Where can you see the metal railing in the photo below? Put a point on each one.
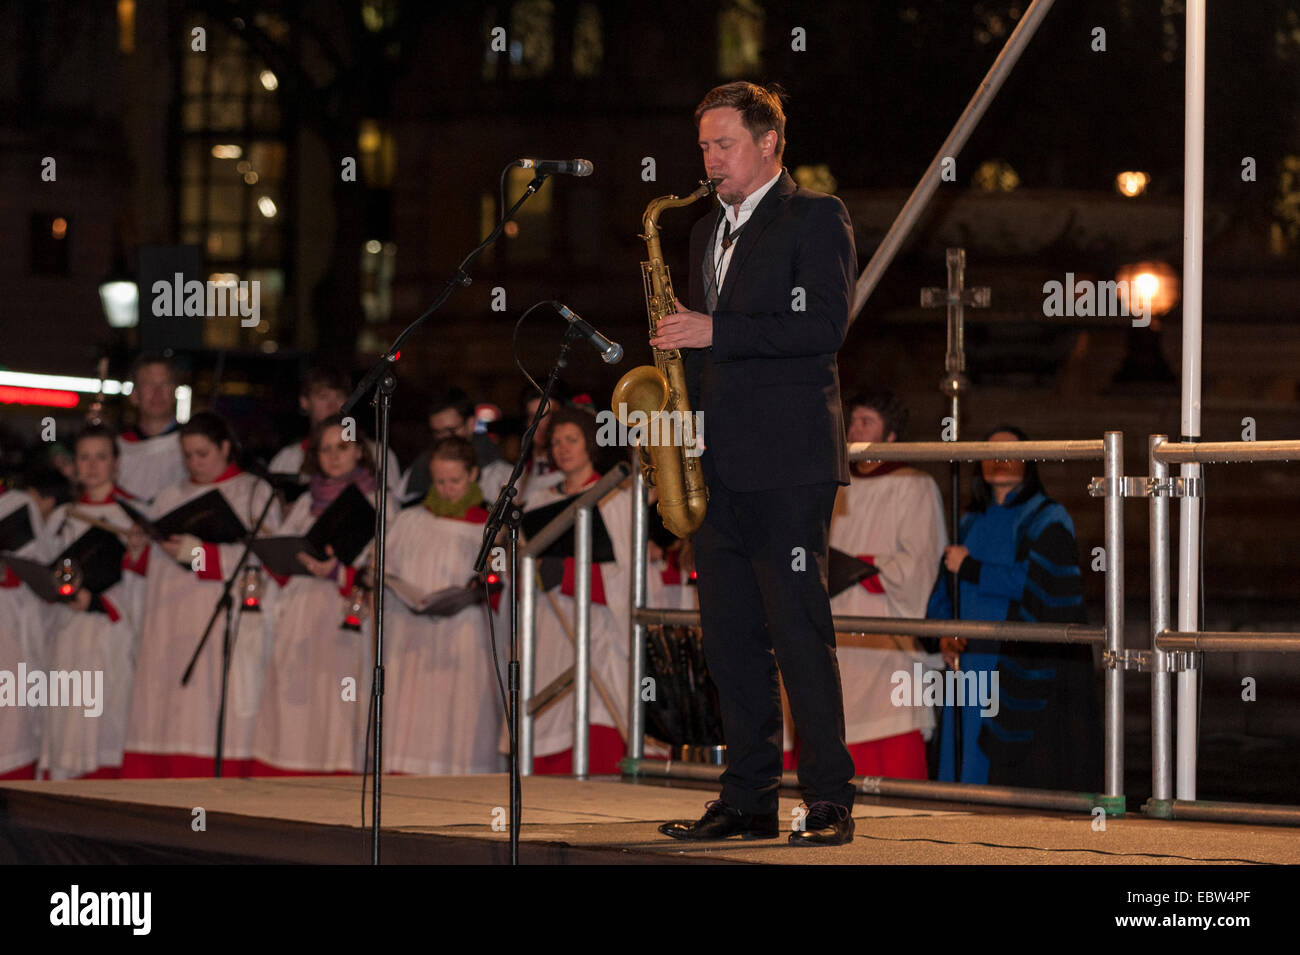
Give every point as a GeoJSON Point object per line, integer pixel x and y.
{"type": "Point", "coordinates": [577, 516]}
{"type": "Point", "coordinates": [1173, 781]}
{"type": "Point", "coordinates": [1173, 651]}
{"type": "Point", "coordinates": [1110, 451]}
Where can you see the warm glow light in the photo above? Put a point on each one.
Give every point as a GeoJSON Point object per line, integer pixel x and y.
{"type": "Point", "coordinates": [374, 246]}
{"type": "Point", "coordinates": [1152, 283]}
{"type": "Point", "coordinates": [59, 227]}
{"type": "Point", "coordinates": [511, 229]}
{"type": "Point", "coordinates": [369, 138]}
{"type": "Point", "coordinates": [1132, 183]}
{"type": "Point", "coordinates": [269, 80]}
{"type": "Point", "coordinates": [227, 151]}
{"type": "Point", "coordinates": [250, 178]}
{"type": "Point", "coordinates": [266, 207]}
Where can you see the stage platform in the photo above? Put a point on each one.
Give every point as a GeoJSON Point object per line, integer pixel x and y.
{"type": "Point", "coordinates": [449, 820]}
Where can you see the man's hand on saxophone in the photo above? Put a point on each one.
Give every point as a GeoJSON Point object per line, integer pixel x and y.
{"type": "Point", "coordinates": [683, 329]}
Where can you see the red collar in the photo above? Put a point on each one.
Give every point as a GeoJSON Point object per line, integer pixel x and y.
{"type": "Point", "coordinates": [230, 471]}
{"type": "Point", "coordinates": [559, 487]}
{"type": "Point", "coordinates": [133, 434]}
{"type": "Point", "coordinates": [885, 467]}
{"type": "Point", "coordinates": [303, 443]}
{"type": "Point", "coordinates": [116, 492]}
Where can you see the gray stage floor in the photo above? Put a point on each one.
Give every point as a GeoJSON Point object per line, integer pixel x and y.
{"type": "Point", "coordinates": [451, 819]}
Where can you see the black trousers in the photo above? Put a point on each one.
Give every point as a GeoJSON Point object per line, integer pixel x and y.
{"type": "Point", "coordinates": [762, 557]}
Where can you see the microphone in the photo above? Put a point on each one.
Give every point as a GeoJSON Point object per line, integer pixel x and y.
{"type": "Point", "coordinates": [567, 167]}
{"type": "Point", "coordinates": [611, 352]}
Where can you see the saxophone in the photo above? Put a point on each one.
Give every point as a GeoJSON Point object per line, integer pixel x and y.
{"type": "Point", "coordinates": [659, 393]}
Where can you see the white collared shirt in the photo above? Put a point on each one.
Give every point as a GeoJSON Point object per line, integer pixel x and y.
{"type": "Point", "coordinates": [737, 215]}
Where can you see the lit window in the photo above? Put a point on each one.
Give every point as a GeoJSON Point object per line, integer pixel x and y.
{"type": "Point", "coordinates": [588, 44]}
{"type": "Point", "coordinates": [126, 26]}
{"type": "Point", "coordinates": [531, 38]}
{"type": "Point", "coordinates": [740, 39]}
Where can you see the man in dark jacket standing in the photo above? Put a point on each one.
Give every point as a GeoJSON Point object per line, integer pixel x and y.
{"type": "Point", "coordinates": [772, 275]}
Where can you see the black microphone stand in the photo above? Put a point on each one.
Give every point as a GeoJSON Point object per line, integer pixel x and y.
{"type": "Point", "coordinates": [382, 378]}
{"type": "Point", "coordinates": [228, 641]}
{"type": "Point", "coordinates": [506, 513]}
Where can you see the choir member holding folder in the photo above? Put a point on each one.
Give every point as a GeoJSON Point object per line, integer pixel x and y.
{"type": "Point", "coordinates": [572, 449]}
{"type": "Point", "coordinates": [95, 630]}
{"type": "Point", "coordinates": [442, 705]}
{"type": "Point", "coordinates": [22, 631]}
{"type": "Point", "coordinates": [197, 528]}
{"type": "Point", "coordinates": [314, 704]}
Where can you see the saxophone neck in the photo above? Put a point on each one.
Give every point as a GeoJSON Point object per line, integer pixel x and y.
{"type": "Point", "coordinates": [650, 218]}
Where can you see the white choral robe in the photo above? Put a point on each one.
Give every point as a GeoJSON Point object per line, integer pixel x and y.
{"type": "Point", "coordinates": [147, 466]}
{"type": "Point", "coordinates": [24, 625]}
{"type": "Point", "coordinates": [442, 705]}
{"type": "Point", "coordinates": [897, 519]}
{"type": "Point", "coordinates": [309, 721]}
{"type": "Point", "coordinates": [166, 718]}
{"type": "Point", "coordinates": [74, 743]}
{"type": "Point", "coordinates": [290, 458]}
{"type": "Point", "coordinates": [611, 631]}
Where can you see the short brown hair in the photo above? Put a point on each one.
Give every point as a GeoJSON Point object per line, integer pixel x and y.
{"type": "Point", "coordinates": [454, 448]}
{"type": "Point", "coordinates": [759, 106]}
{"type": "Point", "coordinates": [97, 431]}
{"type": "Point", "coordinates": [311, 456]}
{"type": "Point", "coordinates": [585, 421]}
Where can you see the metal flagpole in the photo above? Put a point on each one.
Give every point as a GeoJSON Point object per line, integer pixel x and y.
{"type": "Point", "coordinates": [1189, 517]}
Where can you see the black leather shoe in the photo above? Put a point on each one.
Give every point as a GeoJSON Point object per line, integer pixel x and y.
{"type": "Point", "coordinates": [827, 824]}
{"type": "Point", "coordinates": [721, 821]}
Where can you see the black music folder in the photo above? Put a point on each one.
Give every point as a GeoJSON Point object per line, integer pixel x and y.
{"type": "Point", "coordinates": [346, 525]}
{"type": "Point", "coordinates": [207, 517]}
{"type": "Point", "coordinates": [16, 529]}
{"type": "Point", "coordinates": [446, 602]}
{"type": "Point", "coordinates": [602, 548]}
{"type": "Point", "coordinates": [97, 553]}
{"type": "Point", "coordinates": [845, 570]}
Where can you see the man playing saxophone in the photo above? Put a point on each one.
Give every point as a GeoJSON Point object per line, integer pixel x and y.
{"type": "Point", "coordinates": [772, 274]}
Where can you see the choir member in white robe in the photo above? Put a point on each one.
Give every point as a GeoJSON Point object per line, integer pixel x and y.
{"type": "Point", "coordinates": [572, 444]}
{"type": "Point", "coordinates": [150, 452]}
{"type": "Point", "coordinates": [316, 697]}
{"type": "Point", "coordinates": [321, 396]}
{"type": "Point", "coordinates": [23, 629]}
{"type": "Point", "coordinates": [453, 415]}
{"type": "Point", "coordinates": [891, 516]}
{"type": "Point", "coordinates": [172, 729]}
{"type": "Point", "coordinates": [93, 634]}
{"type": "Point", "coordinates": [442, 706]}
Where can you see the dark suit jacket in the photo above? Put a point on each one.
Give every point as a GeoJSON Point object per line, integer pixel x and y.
{"type": "Point", "coordinates": [769, 387]}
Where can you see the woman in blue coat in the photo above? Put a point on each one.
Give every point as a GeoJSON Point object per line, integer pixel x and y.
{"type": "Point", "coordinates": [1017, 559]}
